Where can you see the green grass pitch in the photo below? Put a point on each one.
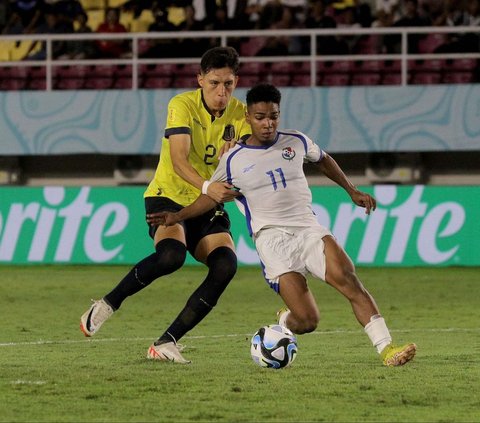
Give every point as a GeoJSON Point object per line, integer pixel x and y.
{"type": "Point", "coordinates": [51, 373]}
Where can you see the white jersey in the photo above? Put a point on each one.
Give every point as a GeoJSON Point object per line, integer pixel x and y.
{"type": "Point", "coordinates": [272, 181]}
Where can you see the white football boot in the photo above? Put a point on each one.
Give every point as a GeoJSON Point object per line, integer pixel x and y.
{"type": "Point", "coordinates": [95, 317]}
{"type": "Point", "coordinates": [169, 351]}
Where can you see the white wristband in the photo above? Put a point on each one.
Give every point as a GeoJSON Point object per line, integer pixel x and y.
{"type": "Point", "coordinates": [205, 187]}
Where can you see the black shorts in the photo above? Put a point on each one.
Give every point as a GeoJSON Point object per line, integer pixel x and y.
{"type": "Point", "coordinates": [212, 222]}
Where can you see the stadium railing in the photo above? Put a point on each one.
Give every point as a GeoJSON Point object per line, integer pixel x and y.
{"type": "Point", "coordinates": [312, 61]}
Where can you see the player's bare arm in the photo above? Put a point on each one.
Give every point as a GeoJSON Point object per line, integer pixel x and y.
{"type": "Point", "coordinates": [201, 205]}
{"type": "Point", "coordinates": [330, 168]}
{"type": "Point", "coordinates": [221, 192]}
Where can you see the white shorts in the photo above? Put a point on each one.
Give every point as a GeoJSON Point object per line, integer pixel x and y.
{"type": "Point", "coordinates": [284, 249]}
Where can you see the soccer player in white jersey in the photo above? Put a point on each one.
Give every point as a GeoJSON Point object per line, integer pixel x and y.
{"type": "Point", "coordinates": [267, 171]}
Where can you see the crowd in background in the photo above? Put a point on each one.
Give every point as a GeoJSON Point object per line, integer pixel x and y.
{"type": "Point", "coordinates": [69, 16]}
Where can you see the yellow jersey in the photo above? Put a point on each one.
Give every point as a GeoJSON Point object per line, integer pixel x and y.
{"type": "Point", "coordinates": [187, 114]}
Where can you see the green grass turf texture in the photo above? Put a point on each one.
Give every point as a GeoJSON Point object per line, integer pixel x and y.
{"type": "Point", "coordinates": [51, 373]}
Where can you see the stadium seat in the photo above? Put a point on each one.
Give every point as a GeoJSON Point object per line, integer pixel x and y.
{"type": "Point", "coordinates": [124, 71]}
{"type": "Point", "coordinates": [162, 70]}
{"type": "Point", "coordinates": [123, 83]}
{"type": "Point", "coordinates": [188, 70]}
{"type": "Point", "coordinates": [102, 71]}
{"type": "Point", "coordinates": [94, 4]}
{"type": "Point", "coordinates": [12, 84]}
{"type": "Point", "coordinates": [430, 42]}
{"type": "Point", "coordinates": [281, 67]}
{"type": "Point", "coordinates": [185, 82]}
{"type": "Point", "coordinates": [74, 71]}
{"type": "Point", "coordinates": [98, 83]}
{"type": "Point", "coordinates": [391, 79]}
{"type": "Point", "coordinates": [280, 80]}
{"type": "Point", "coordinates": [392, 66]}
{"type": "Point", "coordinates": [252, 46]}
{"type": "Point", "coordinates": [365, 79]}
{"type": "Point", "coordinates": [252, 68]}
{"type": "Point", "coordinates": [338, 66]}
{"type": "Point", "coordinates": [461, 64]}
{"type": "Point", "coordinates": [367, 66]}
{"type": "Point", "coordinates": [458, 77]}
{"type": "Point", "coordinates": [143, 22]}
{"type": "Point", "coordinates": [36, 84]}
{"type": "Point", "coordinates": [368, 44]}
{"type": "Point", "coordinates": [247, 81]}
{"type": "Point", "coordinates": [334, 80]}
{"type": "Point", "coordinates": [426, 78]}
{"type": "Point", "coordinates": [95, 18]}
{"type": "Point", "coordinates": [157, 82]}
{"type": "Point", "coordinates": [429, 65]}
{"type": "Point", "coordinates": [302, 68]}
{"type": "Point", "coordinates": [68, 84]}
{"type": "Point", "coordinates": [300, 80]}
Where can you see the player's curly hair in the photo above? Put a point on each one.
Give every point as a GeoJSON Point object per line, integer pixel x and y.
{"type": "Point", "coordinates": [263, 93]}
{"type": "Point", "coordinates": [220, 57]}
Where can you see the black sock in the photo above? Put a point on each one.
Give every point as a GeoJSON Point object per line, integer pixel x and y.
{"type": "Point", "coordinates": [169, 256]}
{"type": "Point", "coordinates": [222, 264]}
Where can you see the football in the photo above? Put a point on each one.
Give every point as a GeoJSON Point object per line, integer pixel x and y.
{"type": "Point", "coordinates": [273, 346]}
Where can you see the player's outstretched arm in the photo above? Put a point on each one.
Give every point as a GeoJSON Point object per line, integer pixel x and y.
{"type": "Point", "coordinates": [201, 205]}
{"type": "Point", "coordinates": [330, 168]}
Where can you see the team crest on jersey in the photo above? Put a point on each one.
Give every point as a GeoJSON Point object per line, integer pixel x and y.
{"type": "Point", "coordinates": [229, 133]}
{"type": "Point", "coordinates": [288, 153]}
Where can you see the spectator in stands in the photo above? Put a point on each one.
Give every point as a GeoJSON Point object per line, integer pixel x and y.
{"type": "Point", "coordinates": [389, 8]}
{"type": "Point", "coordinates": [457, 14]}
{"type": "Point", "coordinates": [282, 45]}
{"type": "Point", "coordinates": [240, 16]}
{"type": "Point", "coordinates": [317, 18]}
{"type": "Point", "coordinates": [112, 48]}
{"type": "Point", "coordinates": [473, 13]}
{"type": "Point", "coordinates": [67, 11]}
{"type": "Point", "coordinates": [25, 17]}
{"type": "Point", "coordinates": [193, 47]}
{"type": "Point", "coordinates": [52, 25]}
{"type": "Point", "coordinates": [4, 14]}
{"type": "Point", "coordinates": [410, 18]}
{"type": "Point", "coordinates": [80, 49]}
{"type": "Point", "coordinates": [161, 47]}
{"type": "Point", "coordinates": [348, 21]}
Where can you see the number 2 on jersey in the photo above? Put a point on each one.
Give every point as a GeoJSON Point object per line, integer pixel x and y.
{"type": "Point", "coordinates": [273, 178]}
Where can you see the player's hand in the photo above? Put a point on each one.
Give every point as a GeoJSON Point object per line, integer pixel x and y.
{"type": "Point", "coordinates": [363, 199]}
{"type": "Point", "coordinates": [227, 145]}
{"type": "Point", "coordinates": [222, 192]}
{"type": "Point", "coordinates": [162, 219]}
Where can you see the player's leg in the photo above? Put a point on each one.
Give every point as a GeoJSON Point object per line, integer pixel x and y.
{"type": "Point", "coordinates": [219, 256]}
{"type": "Point", "coordinates": [170, 253]}
{"type": "Point", "coordinates": [340, 273]}
{"type": "Point", "coordinates": [211, 244]}
{"type": "Point", "coordinates": [303, 315]}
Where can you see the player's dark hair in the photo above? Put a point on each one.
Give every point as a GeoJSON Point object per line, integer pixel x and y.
{"type": "Point", "coordinates": [220, 57]}
{"type": "Point", "coordinates": [263, 93]}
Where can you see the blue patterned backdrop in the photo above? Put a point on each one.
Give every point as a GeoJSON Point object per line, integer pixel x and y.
{"type": "Point", "coordinates": [350, 119]}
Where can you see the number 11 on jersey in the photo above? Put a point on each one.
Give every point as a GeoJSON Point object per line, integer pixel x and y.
{"type": "Point", "coordinates": [274, 180]}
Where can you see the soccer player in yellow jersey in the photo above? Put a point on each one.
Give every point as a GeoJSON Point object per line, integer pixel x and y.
{"type": "Point", "coordinates": [200, 125]}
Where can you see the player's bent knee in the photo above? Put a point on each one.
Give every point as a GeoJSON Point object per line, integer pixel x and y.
{"type": "Point", "coordinates": [223, 261]}
{"type": "Point", "coordinates": [170, 255]}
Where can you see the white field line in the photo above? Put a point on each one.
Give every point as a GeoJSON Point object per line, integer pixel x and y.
{"type": "Point", "coordinates": [237, 335]}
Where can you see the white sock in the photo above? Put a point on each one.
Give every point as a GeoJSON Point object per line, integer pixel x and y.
{"type": "Point", "coordinates": [282, 321]}
{"type": "Point", "coordinates": [378, 332]}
